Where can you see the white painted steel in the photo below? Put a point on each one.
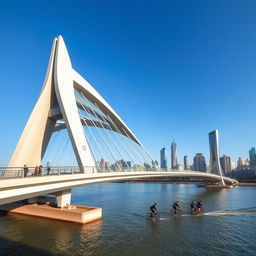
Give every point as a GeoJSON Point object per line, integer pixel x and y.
{"type": "Point", "coordinates": [56, 100]}
{"type": "Point", "coordinates": [18, 189]}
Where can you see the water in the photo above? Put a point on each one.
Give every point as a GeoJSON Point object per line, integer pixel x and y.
{"type": "Point", "coordinates": [226, 228]}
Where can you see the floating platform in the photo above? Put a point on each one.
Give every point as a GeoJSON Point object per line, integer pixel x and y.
{"type": "Point", "coordinates": [219, 186]}
{"type": "Point", "coordinates": [71, 213]}
{"type": "Point", "coordinates": [247, 184]}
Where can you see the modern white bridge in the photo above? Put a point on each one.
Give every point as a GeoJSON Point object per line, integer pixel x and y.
{"type": "Point", "coordinates": [64, 179]}
{"type": "Point", "coordinates": [97, 136]}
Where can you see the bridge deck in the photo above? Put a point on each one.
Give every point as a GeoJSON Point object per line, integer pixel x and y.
{"type": "Point", "coordinates": [15, 189]}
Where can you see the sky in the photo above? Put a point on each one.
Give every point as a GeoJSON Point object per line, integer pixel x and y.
{"type": "Point", "coordinates": [173, 70]}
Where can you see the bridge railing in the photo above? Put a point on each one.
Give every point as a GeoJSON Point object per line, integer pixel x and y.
{"type": "Point", "coordinates": [39, 171]}
{"type": "Point", "coordinates": [21, 172]}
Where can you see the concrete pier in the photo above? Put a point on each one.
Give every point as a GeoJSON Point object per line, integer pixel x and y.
{"type": "Point", "coordinates": [71, 213]}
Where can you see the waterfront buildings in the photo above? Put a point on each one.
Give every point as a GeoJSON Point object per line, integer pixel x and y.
{"type": "Point", "coordinates": [199, 163]}
{"type": "Point", "coordinates": [163, 157]}
{"type": "Point", "coordinates": [186, 163]}
{"type": "Point", "coordinates": [225, 162]}
{"type": "Point", "coordinates": [174, 159]}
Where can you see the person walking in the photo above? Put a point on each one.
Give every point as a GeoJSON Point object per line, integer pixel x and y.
{"type": "Point", "coordinates": [25, 170]}
{"type": "Point", "coordinates": [40, 173]}
{"type": "Point", "coordinates": [36, 171]}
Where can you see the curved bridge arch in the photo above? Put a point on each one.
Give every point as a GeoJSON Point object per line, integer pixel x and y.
{"type": "Point", "coordinates": [59, 99]}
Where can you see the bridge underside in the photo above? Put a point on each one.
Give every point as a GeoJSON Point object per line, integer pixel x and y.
{"type": "Point", "coordinates": [19, 189]}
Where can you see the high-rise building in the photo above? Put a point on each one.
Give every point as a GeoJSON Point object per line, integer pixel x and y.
{"type": "Point", "coordinates": [199, 163]}
{"type": "Point", "coordinates": [174, 158]}
{"type": "Point", "coordinates": [163, 157]}
{"type": "Point", "coordinates": [225, 162]}
{"type": "Point", "coordinates": [241, 162]}
{"type": "Point", "coordinates": [214, 164]}
{"type": "Point", "coordinates": [186, 163]}
{"type": "Point", "coordinates": [252, 154]}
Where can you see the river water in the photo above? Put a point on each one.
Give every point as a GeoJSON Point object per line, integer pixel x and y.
{"type": "Point", "coordinates": [228, 226]}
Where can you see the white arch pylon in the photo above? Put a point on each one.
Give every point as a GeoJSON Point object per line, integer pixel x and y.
{"type": "Point", "coordinates": [57, 100]}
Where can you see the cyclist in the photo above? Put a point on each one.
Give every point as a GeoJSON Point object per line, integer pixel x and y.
{"type": "Point", "coordinates": [153, 210]}
{"type": "Point", "coordinates": [193, 207]}
{"type": "Point", "coordinates": [176, 206]}
{"type": "Point", "coordinates": [199, 206]}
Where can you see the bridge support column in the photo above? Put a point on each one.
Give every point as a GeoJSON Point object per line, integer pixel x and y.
{"type": "Point", "coordinates": [63, 198]}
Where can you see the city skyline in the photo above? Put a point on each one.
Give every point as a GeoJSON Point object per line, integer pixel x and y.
{"type": "Point", "coordinates": [225, 159]}
{"type": "Point", "coordinates": [167, 53]}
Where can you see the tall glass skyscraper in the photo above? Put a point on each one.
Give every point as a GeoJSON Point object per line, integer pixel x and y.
{"type": "Point", "coordinates": [163, 157]}
{"type": "Point", "coordinates": [214, 165]}
{"type": "Point", "coordinates": [252, 155]}
{"type": "Point", "coordinates": [174, 158]}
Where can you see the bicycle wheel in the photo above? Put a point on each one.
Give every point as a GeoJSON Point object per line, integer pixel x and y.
{"type": "Point", "coordinates": [179, 212]}
{"type": "Point", "coordinates": [172, 212]}
{"type": "Point", "coordinates": [149, 215]}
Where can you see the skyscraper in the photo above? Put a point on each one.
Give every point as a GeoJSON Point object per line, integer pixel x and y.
{"type": "Point", "coordinates": [174, 158]}
{"type": "Point", "coordinates": [186, 163]}
{"type": "Point", "coordinates": [225, 162]}
{"type": "Point", "coordinates": [199, 163]}
{"type": "Point", "coordinates": [214, 165]}
{"type": "Point", "coordinates": [163, 157]}
{"type": "Point", "coordinates": [252, 154]}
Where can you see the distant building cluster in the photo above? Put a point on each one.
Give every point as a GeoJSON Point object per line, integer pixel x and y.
{"type": "Point", "coordinates": [245, 168]}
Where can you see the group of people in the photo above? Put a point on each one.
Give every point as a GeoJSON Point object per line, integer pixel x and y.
{"type": "Point", "coordinates": [195, 207]}
{"type": "Point", "coordinates": [37, 171]}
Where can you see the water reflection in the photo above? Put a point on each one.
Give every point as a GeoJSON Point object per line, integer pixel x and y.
{"type": "Point", "coordinates": [126, 231]}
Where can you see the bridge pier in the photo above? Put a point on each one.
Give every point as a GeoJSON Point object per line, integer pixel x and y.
{"type": "Point", "coordinates": [63, 198]}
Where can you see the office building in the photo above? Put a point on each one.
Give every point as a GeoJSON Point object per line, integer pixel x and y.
{"type": "Point", "coordinates": [186, 163]}
{"type": "Point", "coordinates": [225, 162]}
{"type": "Point", "coordinates": [174, 159]}
{"type": "Point", "coordinates": [199, 163]}
{"type": "Point", "coordinates": [163, 158]}
{"type": "Point", "coordinates": [252, 155]}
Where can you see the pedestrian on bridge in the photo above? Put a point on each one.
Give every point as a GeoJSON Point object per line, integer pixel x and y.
{"type": "Point", "coordinates": [25, 170]}
{"type": "Point", "coordinates": [40, 170]}
{"type": "Point", "coordinates": [36, 171]}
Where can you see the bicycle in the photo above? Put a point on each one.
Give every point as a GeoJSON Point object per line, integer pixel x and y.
{"type": "Point", "coordinates": [176, 212]}
{"type": "Point", "coordinates": [149, 214]}
{"type": "Point", "coordinates": [196, 211]}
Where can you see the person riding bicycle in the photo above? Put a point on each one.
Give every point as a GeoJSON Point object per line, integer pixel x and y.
{"type": "Point", "coordinates": [199, 206]}
{"type": "Point", "coordinates": [193, 207]}
{"type": "Point", "coordinates": [153, 210]}
{"type": "Point", "coordinates": [176, 206]}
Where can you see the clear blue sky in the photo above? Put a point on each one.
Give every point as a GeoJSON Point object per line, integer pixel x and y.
{"type": "Point", "coordinates": [171, 69]}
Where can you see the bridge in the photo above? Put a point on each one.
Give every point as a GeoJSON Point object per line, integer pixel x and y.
{"type": "Point", "coordinates": [99, 143]}
{"type": "Point", "coordinates": [14, 186]}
